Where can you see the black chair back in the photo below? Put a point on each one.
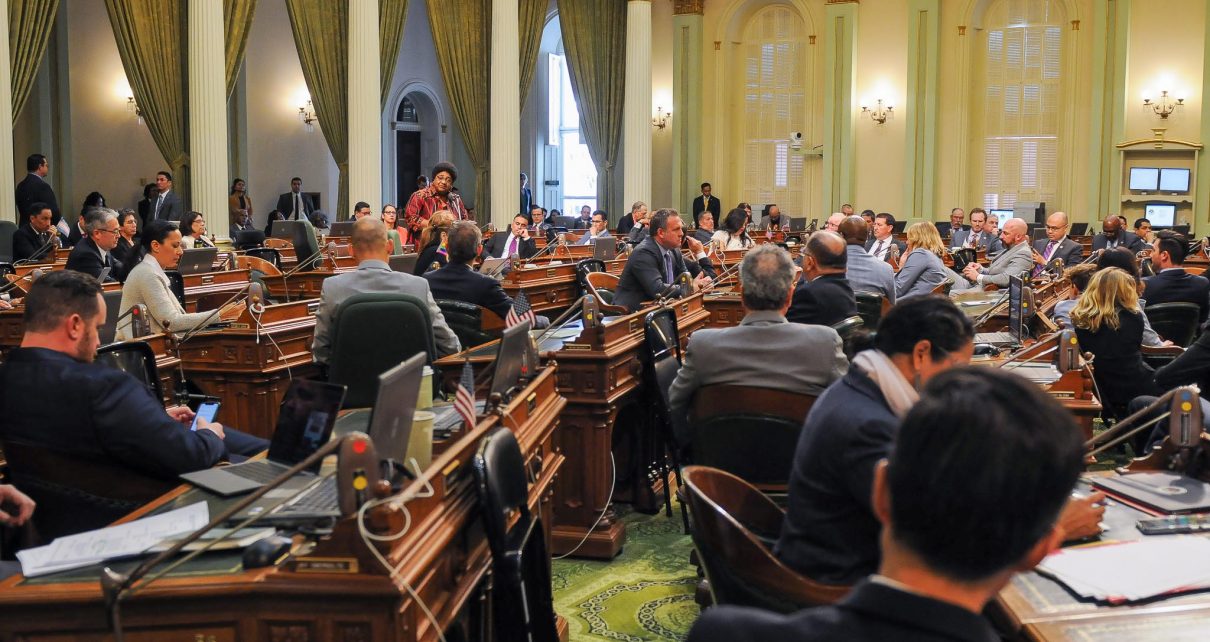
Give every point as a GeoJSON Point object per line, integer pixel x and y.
{"type": "Point", "coordinates": [135, 358]}
{"type": "Point", "coordinates": [176, 283]}
{"type": "Point", "coordinates": [869, 308]}
{"type": "Point", "coordinates": [248, 239]}
{"type": "Point", "coordinates": [466, 320]}
{"type": "Point", "coordinates": [523, 608]}
{"type": "Point", "coordinates": [269, 254]}
{"type": "Point", "coordinates": [373, 333]}
{"type": "Point", "coordinates": [583, 267]}
{"type": "Point", "coordinates": [1176, 322]}
{"type": "Point", "coordinates": [7, 230]}
{"type": "Point", "coordinates": [112, 312]}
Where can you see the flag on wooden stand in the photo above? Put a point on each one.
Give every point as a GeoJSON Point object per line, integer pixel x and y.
{"type": "Point", "coordinates": [521, 311]}
{"type": "Point", "coordinates": [464, 398]}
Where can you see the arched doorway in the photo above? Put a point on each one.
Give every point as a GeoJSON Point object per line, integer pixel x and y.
{"type": "Point", "coordinates": [417, 132]}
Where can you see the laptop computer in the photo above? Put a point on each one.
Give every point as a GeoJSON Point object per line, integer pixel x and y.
{"type": "Point", "coordinates": [1016, 317]}
{"type": "Point", "coordinates": [798, 224]}
{"type": "Point", "coordinates": [197, 261]}
{"type": "Point", "coordinates": [405, 263]}
{"type": "Point", "coordinates": [1079, 229]}
{"type": "Point", "coordinates": [389, 425]}
{"type": "Point", "coordinates": [605, 249]}
{"type": "Point", "coordinates": [491, 265]}
{"type": "Point", "coordinates": [508, 367]}
{"type": "Point", "coordinates": [341, 228]}
{"type": "Point", "coordinates": [304, 424]}
{"type": "Point", "coordinates": [1165, 491]}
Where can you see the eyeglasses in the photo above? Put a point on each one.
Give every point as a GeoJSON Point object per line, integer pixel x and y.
{"type": "Point", "coordinates": [113, 231]}
{"type": "Point", "coordinates": [1055, 227]}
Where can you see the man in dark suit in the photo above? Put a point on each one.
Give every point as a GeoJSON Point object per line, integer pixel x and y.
{"type": "Point", "coordinates": [457, 281]}
{"type": "Point", "coordinates": [167, 205]}
{"type": "Point", "coordinates": [1172, 284]}
{"type": "Point", "coordinates": [97, 412]}
{"type": "Point", "coordinates": [707, 202]}
{"type": "Point", "coordinates": [1056, 245]}
{"type": "Point", "coordinates": [882, 238]}
{"type": "Point", "coordinates": [655, 264]}
{"type": "Point", "coordinates": [1113, 234]}
{"type": "Point", "coordinates": [517, 241]}
{"type": "Point", "coordinates": [34, 188]}
{"type": "Point", "coordinates": [705, 227]}
{"type": "Point", "coordinates": [824, 296]}
{"type": "Point", "coordinates": [294, 202]}
{"type": "Point", "coordinates": [954, 226]}
{"type": "Point", "coordinates": [34, 240]}
{"type": "Point", "coordinates": [94, 253]}
{"type": "Point", "coordinates": [527, 197]}
{"type": "Point", "coordinates": [943, 561]}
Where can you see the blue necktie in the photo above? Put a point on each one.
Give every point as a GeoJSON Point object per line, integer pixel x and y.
{"type": "Point", "coordinates": [668, 267]}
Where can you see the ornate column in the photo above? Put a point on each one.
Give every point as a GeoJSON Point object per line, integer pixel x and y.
{"type": "Point", "coordinates": [365, 107]}
{"type": "Point", "coordinates": [505, 139]}
{"type": "Point", "coordinates": [920, 146]}
{"type": "Point", "coordinates": [1110, 46]}
{"type": "Point", "coordinates": [840, 38]}
{"type": "Point", "coordinates": [208, 114]}
{"type": "Point", "coordinates": [636, 111]}
{"type": "Point", "coordinates": [687, 96]}
{"type": "Point", "coordinates": [8, 197]}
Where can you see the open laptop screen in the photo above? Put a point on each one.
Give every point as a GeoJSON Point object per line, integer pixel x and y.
{"type": "Point", "coordinates": [307, 416]}
{"type": "Point", "coordinates": [395, 407]}
{"type": "Point", "coordinates": [510, 358]}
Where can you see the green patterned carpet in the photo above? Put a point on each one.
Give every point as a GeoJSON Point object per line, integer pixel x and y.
{"type": "Point", "coordinates": [646, 593]}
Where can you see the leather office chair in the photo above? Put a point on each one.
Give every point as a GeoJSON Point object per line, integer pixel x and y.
{"type": "Point", "coordinates": [523, 607]}
{"type": "Point", "coordinates": [135, 358]}
{"type": "Point", "coordinates": [248, 239]}
{"type": "Point", "coordinates": [870, 307]}
{"type": "Point", "coordinates": [269, 254]}
{"type": "Point", "coordinates": [730, 520]}
{"type": "Point", "coordinates": [112, 311]}
{"type": "Point", "coordinates": [76, 494]}
{"type": "Point", "coordinates": [602, 285]}
{"type": "Point", "coordinates": [1176, 322]}
{"type": "Point", "coordinates": [583, 268]}
{"type": "Point", "coordinates": [176, 283]}
{"type": "Point", "coordinates": [662, 343]}
{"type": "Point", "coordinates": [7, 230]}
{"type": "Point", "coordinates": [467, 321]}
{"type": "Point", "coordinates": [748, 431]}
{"type": "Point", "coordinates": [854, 334]}
{"type": "Point", "coordinates": [373, 333]}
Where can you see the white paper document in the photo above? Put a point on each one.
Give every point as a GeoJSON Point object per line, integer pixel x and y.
{"type": "Point", "coordinates": [1134, 570]}
{"type": "Point", "coordinates": [92, 547]}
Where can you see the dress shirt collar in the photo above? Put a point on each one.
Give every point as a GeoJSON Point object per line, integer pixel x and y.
{"type": "Point", "coordinates": [1173, 269]}
{"type": "Point", "coordinates": [884, 601]}
{"type": "Point", "coordinates": [763, 317]}
{"type": "Point", "coordinates": [373, 264]}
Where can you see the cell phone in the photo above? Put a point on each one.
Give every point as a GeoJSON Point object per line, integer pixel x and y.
{"type": "Point", "coordinates": [208, 410]}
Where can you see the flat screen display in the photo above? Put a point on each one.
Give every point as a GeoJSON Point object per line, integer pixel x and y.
{"type": "Point", "coordinates": [1174, 179]}
{"type": "Point", "coordinates": [1161, 214]}
{"type": "Point", "coordinates": [1144, 179]}
{"type": "Point", "coordinates": [1002, 215]}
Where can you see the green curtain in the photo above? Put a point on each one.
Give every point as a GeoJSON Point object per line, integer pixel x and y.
{"type": "Point", "coordinates": [594, 38]}
{"type": "Point", "coordinates": [151, 42]}
{"type": "Point", "coordinates": [392, 17]}
{"type": "Point", "coordinates": [530, 20]}
{"type": "Point", "coordinates": [321, 30]}
{"type": "Point", "coordinates": [29, 25]}
{"type": "Point", "coordinates": [237, 23]}
{"type": "Point", "coordinates": [462, 33]}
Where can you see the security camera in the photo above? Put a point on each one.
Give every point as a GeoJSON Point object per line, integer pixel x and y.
{"type": "Point", "coordinates": [796, 140]}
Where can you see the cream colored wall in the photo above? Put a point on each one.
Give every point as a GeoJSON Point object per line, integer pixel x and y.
{"type": "Point", "coordinates": [1166, 38]}
{"type": "Point", "coordinates": [881, 73]}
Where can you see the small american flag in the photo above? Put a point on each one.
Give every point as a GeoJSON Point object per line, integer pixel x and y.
{"type": "Point", "coordinates": [464, 398]}
{"type": "Point", "coordinates": [521, 311]}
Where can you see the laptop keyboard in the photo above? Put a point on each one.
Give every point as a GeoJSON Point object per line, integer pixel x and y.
{"type": "Point", "coordinates": [995, 337]}
{"type": "Point", "coordinates": [262, 471]}
{"type": "Point", "coordinates": [321, 497]}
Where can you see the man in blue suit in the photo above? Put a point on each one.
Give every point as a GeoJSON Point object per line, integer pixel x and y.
{"type": "Point", "coordinates": [458, 282]}
{"type": "Point", "coordinates": [1172, 284]}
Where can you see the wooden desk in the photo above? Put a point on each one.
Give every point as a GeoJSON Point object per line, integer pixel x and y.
{"type": "Point", "coordinates": [301, 285]}
{"type": "Point", "coordinates": [726, 308]}
{"type": "Point", "coordinates": [443, 556]}
{"type": "Point", "coordinates": [199, 285]}
{"type": "Point", "coordinates": [250, 364]}
{"type": "Point", "coordinates": [599, 374]}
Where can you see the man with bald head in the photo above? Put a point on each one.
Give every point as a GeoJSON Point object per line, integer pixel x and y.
{"type": "Point", "coordinates": [823, 296]}
{"type": "Point", "coordinates": [864, 272]}
{"type": "Point", "coordinates": [1016, 258]}
{"type": "Point", "coordinates": [372, 249]}
{"type": "Point", "coordinates": [1056, 245]}
{"type": "Point", "coordinates": [833, 222]}
{"type": "Point", "coordinates": [1113, 234]}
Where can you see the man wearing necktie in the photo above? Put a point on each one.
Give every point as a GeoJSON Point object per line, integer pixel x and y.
{"type": "Point", "coordinates": [707, 202]}
{"type": "Point", "coordinates": [1056, 245]}
{"type": "Point", "coordinates": [295, 205]}
{"type": "Point", "coordinates": [878, 247]}
{"type": "Point", "coordinates": [517, 241]}
{"type": "Point", "coordinates": [167, 205]}
{"type": "Point", "coordinates": [94, 253]}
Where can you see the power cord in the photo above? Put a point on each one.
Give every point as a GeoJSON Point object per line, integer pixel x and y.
{"type": "Point", "coordinates": [613, 479]}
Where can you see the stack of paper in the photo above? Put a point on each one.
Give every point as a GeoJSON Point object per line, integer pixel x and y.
{"type": "Point", "coordinates": [93, 547]}
{"type": "Point", "coordinates": [1134, 570]}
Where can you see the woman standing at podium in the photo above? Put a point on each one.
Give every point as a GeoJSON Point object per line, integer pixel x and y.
{"type": "Point", "coordinates": [148, 285]}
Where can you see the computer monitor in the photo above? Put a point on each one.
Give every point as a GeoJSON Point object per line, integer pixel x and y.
{"type": "Point", "coordinates": [1161, 214]}
{"type": "Point", "coordinates": [1001, 215]}
{"type": "Point", "coordinates": [510, 358]}
{"type": "Point", "coordinates": [297, 232]}
{"type": "Point", "coordinates": [1144, 179]}
{"type": "Point", "coordinates": [341, 228]}
{"type": "Point", "coordinates": [1016, 307]}
{"type": "Point", "coordinates": [1174, 180]}
{"type": "Point", "coordinates": [605, 249]}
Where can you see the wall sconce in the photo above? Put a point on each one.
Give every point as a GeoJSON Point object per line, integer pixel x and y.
{"type": "Point", "coordinates": [660, 120]}
{"type": "Point", "coordinates": [132, 106]}
{"type": "Point", "coordinates": [1164, 106]}
{"type": "Point", "coordinates": [306, 114]}
{"type": "Point", "coordinates": [880, 113]}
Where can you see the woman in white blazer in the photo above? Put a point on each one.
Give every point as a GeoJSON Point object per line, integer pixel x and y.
{"type": "Point", "coordinates": [147, 284]}
{"type": "Point", "coordinates": [733, 236]}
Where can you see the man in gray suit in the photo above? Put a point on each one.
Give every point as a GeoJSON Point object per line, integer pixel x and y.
{"type": "Point", "coordinates": [372, 248]}
{"type": "Point", "coordinates": [979, 236]}
{"type": "Point", "coordinates": [1016, 258]}
{"type": "Point", "coordinates": [864, 272]}
{"type": "Point", "coordinates": [764, 349]}
{"type": "Point", "coordinates": [167, 206]}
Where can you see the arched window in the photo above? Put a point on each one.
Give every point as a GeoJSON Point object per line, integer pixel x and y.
{"type": "Point", "coordinates": [407, 112]}
{"type": "Point", "coordinates": [1022, 88]}
{"type": "Point", "coordinates": [774, 104]}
